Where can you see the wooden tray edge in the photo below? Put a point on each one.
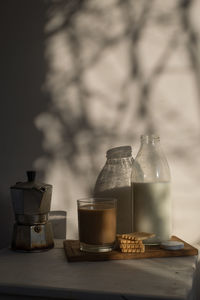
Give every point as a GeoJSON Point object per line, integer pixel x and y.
{"type": "Point", "coordinates": [117, 255]}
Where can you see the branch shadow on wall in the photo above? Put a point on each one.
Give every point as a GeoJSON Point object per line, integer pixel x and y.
{"type": "Point", "coordinates": [101, 94]}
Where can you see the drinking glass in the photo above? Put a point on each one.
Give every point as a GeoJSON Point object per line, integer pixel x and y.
{"type": "Point", "coordinates": [97, 224]}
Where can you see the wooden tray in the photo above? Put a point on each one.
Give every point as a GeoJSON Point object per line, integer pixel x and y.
{"type": "Point", "coordinates": [73, 253]}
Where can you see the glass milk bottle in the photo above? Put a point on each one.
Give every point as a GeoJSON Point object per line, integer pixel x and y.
{"type": "Point", "coordinates": [114, 181]}
{"type": "Point", "coordinates": [151, 190]}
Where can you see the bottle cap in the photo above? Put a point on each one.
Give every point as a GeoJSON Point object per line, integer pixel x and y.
{"type": "Point", "coordinates": [172, 245]}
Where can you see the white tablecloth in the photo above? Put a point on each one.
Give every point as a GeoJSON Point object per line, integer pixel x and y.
{"type": "Point", "coordinates": [48, 274]}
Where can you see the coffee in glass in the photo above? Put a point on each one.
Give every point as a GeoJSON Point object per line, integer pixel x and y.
{"type": "Point", "coordinates": [97, 224]}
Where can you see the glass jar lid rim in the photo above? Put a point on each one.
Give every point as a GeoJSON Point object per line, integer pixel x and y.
{"type": "Point", "coordinates": [96, 200]}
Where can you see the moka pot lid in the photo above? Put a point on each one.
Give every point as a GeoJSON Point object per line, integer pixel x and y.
{"type": "Point", "coordinates": [31, 183]}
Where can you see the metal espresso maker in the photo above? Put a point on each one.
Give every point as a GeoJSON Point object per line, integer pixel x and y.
{"type": "Point", "coordinates": [31, 201]}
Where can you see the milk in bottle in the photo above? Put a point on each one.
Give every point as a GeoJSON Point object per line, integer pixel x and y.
{"type": "Point", "coordinates": [151, 191]}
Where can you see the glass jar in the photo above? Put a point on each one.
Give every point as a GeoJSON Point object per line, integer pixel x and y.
{"type": "Point", "coordinates": [151, 190]}
{"type": "Point", "coordinates": [114, 181]}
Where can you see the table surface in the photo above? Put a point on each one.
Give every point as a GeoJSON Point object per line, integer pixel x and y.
{"type": "Point", "coordinates": [49, 274]}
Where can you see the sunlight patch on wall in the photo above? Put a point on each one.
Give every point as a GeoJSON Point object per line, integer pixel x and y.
{"type": "Point", "coordinates": [117, 69]}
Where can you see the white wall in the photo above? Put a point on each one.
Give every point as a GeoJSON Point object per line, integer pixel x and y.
{"type": "Point", "coordinates": [81, 79]}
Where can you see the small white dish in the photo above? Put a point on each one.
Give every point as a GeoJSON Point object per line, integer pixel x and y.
{"type": "Point", "coordinates": [172, 245]}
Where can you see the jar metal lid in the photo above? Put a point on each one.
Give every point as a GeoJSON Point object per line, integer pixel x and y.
{"type": "Point", "coordinates": [118, 152]}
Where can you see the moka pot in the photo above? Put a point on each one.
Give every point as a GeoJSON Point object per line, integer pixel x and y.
{"type": "Point", "coordinates": [31, 203]}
